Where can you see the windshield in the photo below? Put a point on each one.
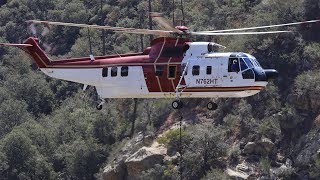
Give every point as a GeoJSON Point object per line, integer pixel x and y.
{"type": "Point", "coordinates": [243, 65]}
{"type": "Point", "coordinates": [255, 62]}
{"type": "Point", "coordinates": [248, 62]}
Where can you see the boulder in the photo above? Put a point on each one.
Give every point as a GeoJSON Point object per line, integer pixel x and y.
{"type": "Point", "coordinates": [131, 145]}
{"type": "Point", "coordinates": [243, 168]}
{"type": "Point", "coordinates": [262, 147]}
{"type": "Point", "coordinates": [143, 159]}
{"type": "Point", "coordinates": [117, 169]}
{"type": "Point", "coordinates": [174, 159]}
{"type": "Point", "coordinates": [116, 172]}
{"type": "Point", "coordinates": [282, 172]}
{"type": "Point", "coordinates": [280, 158]}
{"type": "Point", "coordinates": [236, 175]}
{"type": "Point", "coordinates": [249, 148]}
{"type": "Point", "coordinates": [148, 140]}
{"type": "Point", "coordinates": [267, 144]}
{"type": "Point", "coordinates": [288, 163]}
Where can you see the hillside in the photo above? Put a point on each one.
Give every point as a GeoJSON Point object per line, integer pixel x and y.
{"type": "Point", "coordinates": [50, 129]}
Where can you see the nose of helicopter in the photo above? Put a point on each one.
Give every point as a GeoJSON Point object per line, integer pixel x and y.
{"type": "Point", "coordinates": [271, 73]}
{"type": "Point", "coordinates": [265, 74]}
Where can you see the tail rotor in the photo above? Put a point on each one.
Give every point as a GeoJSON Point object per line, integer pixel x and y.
{"type": "Point", "coordinates": [41, 36]}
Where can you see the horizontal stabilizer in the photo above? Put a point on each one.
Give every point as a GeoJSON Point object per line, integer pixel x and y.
{"type": "Point", "coordinates": [31, 47]}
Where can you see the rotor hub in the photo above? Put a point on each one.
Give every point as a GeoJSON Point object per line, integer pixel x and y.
{"type": "Point", "coordinates": [182, 28]}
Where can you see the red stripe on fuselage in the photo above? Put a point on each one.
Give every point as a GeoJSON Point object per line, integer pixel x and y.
{"type": "Point", "coordinates": [223, 89]}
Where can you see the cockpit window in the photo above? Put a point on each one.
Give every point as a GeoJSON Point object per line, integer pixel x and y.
{"type": "Point", "coordinates": [233, 65]}
{"type": "Point", "coordinates": [255, 62]}
{"type": "Point", "coordinates": [243, 65]}
{"type": "Point", "coordinates": [248, 62]}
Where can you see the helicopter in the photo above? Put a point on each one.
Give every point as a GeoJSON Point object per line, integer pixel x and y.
{"type": "Point", "coordinates": [172, 67]}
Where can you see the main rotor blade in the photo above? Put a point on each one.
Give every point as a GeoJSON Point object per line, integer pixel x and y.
{"type": "Point", "coordinates": [236, 33]}
{"type": "Point", "coordinates": [116, 29]}
{"type": "Point", "coordinates": [261, 27]}
{"type": "Point", "coordinates": [164, 23]}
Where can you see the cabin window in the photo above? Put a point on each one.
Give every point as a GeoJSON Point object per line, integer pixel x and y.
{"type": "Point", "coordinates": [172, 72]}
{"type": "Point", "coordinates": [114, 71]}
{"type": "Point", "coordinates": [124, 71]}
{"type": "Point", "coordinates": [196, 70]}
{"type": "Point", "coordinates": [105, 72]}
{"type": "Point", "coordinates": [209, 70]}
{"type": "Point", "coordinates": [159, 70]}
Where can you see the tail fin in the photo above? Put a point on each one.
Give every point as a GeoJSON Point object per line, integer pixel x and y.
{"type": "Point", "coordinates": [32, 47]}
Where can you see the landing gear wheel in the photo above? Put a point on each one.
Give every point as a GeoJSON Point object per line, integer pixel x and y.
{"type": "Point", "coordinates": [177, 104]}
{"type": "Point", "coordinates": [99, 107]}
{"type": "Point", "coordinates": [212, 106]}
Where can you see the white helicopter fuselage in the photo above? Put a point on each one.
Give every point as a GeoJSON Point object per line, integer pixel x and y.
{"type": "Point", "coordinates": [206, 75]}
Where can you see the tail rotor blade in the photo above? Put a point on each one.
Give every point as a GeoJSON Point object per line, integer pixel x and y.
{"type": "Point", "coordinates": [46, 30]}
{"type": "Point", "coordinates": [33, 29]}
{"type": "Point", "coordinates": [47, 47]}
{"type": "Point", "coordinates": [40, 36]}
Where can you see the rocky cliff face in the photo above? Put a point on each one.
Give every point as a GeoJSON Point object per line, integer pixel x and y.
{"type": "Point", "coordinates": [307, 160]}
{"type": "Point", "coordinates": [261, 158]}
{"type": "Point", "coordinates": [129, 164]}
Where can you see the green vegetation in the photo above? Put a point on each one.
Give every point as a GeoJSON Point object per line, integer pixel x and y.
{"type": "Point", "coordinates": [49, 129]}
{"type": "Point", "coordinates": [171, 140]}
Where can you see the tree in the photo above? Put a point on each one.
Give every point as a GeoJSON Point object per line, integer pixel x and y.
{"type": "Point", "coordinates": [204, 151]}
{"type": "Point", "coordinates": [306, 91]}
{"type": "Point", "coordinates": [240, 120]}
{"type": "Point", "coordinates": [33, 89]}
{"type": "Point", "coordinates": [23, 159]}
{"type": "Point", "coordinates": [12, 113]}
{"type": "Point", "coordinates": [80, 159]}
